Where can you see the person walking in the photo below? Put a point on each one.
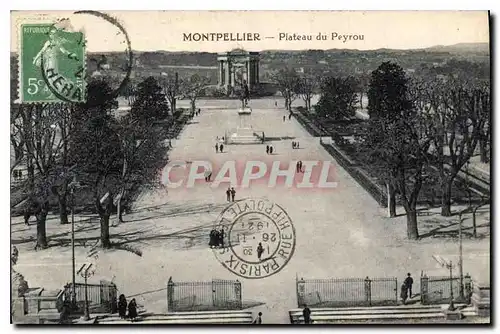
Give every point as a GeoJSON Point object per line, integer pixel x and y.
{"type": "Point", "coordinates": [228, 194]}
{"type": "Point", "coordinates": [298, 145]}
{"type": "Point", "coordinates": [293, 145]}
{"type": "Point", "coordinates": [306, 313]}
{"type": "Point", "coordinates": [297, 166]}
{"type": "Point", "coordinates": [276, 104]}
{"type": "Point", "coordinates": [260, 250]}
{"type": "Point", "coordinates": [216, 148]}
{"type": "Point", "coordinates": [212, 241]}
{"type": "Point", "coordinates": [122, 306]}
{"type": "Point", "coordinates": [233, 193]}
{"type": "Point", "coordinates": [271, 149]}
{"type": "Point", "coordinates": [290, 116]}
{"type": "Point", "coordinates": [284, 118]}
{"type": "Point", "coordinates": [258, 319]}
{"type": "Point", "coordinates": [409, 282]}
{"type": "Point", "coordinates": [221, 148]}
{"type": "Point", "coordinates": [300, 166]}
{"type": "Point", "coordinates": [132, 310]}
{"type": "Point", "coordinates": [267, 149]}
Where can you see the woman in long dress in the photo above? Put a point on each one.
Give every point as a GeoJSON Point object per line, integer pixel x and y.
{"type": "Point", "coordinates": [52, 49]}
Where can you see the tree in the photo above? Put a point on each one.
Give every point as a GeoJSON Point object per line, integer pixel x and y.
{"type": "Point", "coordinates": [288, 84]}
{"type": "Point", "coordinates": [338, 98]}
{"type": "Point", "coordinates": [171, 88]}
{"type": "Point", "coordinates": [143, 156]}
{"type": "Point", "coordinates": [388, 99]}
{"type": "Point", "coordinates": [466, 110]}
{"type": "Point", "coordinates": [150, 103]}
{"type": "Point", "coordinates": [42, 146]}
{"type": "Point", "coordinates": [194, 88]}
{"type": "Point", "coordinates": [97, 151]}
{"type": "Point", "coordinates": [397, 150]}
{"type": "Point", "coordinates": [307, 84]}
{"type": "Point", "coordinates": [388, 91]}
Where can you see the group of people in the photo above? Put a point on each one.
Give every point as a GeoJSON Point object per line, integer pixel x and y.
{"type": "Point", "coordinates": [123, 307]}
{"type": "Point", "coordinates": [219, 147]}
{"type": "Point", "coordinates": [216, 238]}
{"type": "Point", "coordinates": [295, 144]}
{"type": "Point", "coordinates": [208, 175]}
{"type": "Point", "coordinates": [269, 149]}
{"type": "Point", "coordinates": [230, 194]}
{"type": "Point", "coordinates": [289, 117]}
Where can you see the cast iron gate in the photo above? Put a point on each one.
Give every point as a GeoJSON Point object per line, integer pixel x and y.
{"type": "Point", "coordinates": [344, 292]}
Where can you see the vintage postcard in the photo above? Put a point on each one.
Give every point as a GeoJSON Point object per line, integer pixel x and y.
{"type": "Point", "coordinates": [200, 167]}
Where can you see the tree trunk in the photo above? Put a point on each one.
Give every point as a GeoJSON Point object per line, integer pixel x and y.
{"type": "Point", "coordinates": [483, 149]}
{"type": "Point", "coordinates": [41, 219]}
{"type": "Point", "coordinates": [173, 105]}
{"type": "Point", "coordinates": [391, 201]}
{"type": "Point", "coordinates": [119, 206]}
{"type": "Point", "coordinates": [105, 242]}
{"type": "Point", "coordinates": [361, 99]}
{"type": "Point", "coordinates": [63, 209]}
{"type": "Point", "coordinates": [193, 105]}
{"type": "Point", "coordinates": [411, 223]}
{"type": "Point", "coordinates": [446, 198]}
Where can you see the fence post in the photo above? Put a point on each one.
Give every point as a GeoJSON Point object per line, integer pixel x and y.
{"type": "Point", "coordinates": [368, 291]}
{"type": "Point", "coordinates": [468, 287]}
{"type": "Point", "coordinates": [170, 295]}
{"type": "Point", "coordinates": [237, 290]}
{"type": "Point", "coordinates": [424, 289]}
{"type": "Point", "coordinates": [301, 287]}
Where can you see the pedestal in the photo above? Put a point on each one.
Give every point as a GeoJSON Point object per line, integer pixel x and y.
{"type": "Point", "coordinates": [453, 315]}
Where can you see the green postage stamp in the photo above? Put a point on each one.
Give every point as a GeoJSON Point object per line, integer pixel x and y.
{"type": "Point", "coordinates": [51, 64]}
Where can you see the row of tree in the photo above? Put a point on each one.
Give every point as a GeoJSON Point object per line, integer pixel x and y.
{"type": "Point", "coordinates": [420, 129]}
{"type": "Point", "coordinates": [85, 148]}
{"type": "Point", "coordinates": [172, 87]}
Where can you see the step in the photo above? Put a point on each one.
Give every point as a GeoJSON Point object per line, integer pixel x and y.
{"type": "Point", "coordinates": [392, 307]}
{"type": "Point", "coordinates": [370, 312]}
{"type": "Point", "coordinates": [195, 316]}
{"type": "Point", "coordinates": [179, 321]}
{"type": "Point", "coordinates": [370, 317]}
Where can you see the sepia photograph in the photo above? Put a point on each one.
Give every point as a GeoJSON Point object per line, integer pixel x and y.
{"type": "Point", "coordinates": [204, 168]}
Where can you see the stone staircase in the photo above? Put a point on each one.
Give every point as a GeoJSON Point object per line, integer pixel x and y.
{"type": "Point", "coordinates": [361, 314]}
{"type": "Point", "coordinates": [187, 318]}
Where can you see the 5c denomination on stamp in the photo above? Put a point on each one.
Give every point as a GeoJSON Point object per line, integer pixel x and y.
{"type": "Point", "coordinates": [51, 64]}
{"type": "Point", "coordinates": [260, 238]}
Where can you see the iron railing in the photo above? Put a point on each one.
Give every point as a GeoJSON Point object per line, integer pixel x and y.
{"type": "Point", "coordinates": [437, 289]}
{"type": "Point", "coordinates": [201, 296]}
{"type": "Point", "coordinates": [344, 292]}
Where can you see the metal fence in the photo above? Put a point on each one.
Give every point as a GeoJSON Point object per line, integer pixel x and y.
{"type": "Point", "coordinates": [201, 296]}
{"type": "Point", "coordinates": [437, 289]}
{"type": "Point", "coordinates": [102, 298]}
{"type": "Point", "coordinates": [344, 292]}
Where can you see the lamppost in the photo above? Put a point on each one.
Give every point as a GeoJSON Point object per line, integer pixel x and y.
{"type": "Point", "coordinates": [74, 184]}
{"type": "Point", "coordinates": [85, 272]}
{"type": "Point", "coordinates": [452, 305]}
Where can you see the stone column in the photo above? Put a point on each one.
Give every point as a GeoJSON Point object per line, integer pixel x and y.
{"type": "Point", "coordinates": [257, 71]}
{"type": "Point", "coordinates": [219, 77]}
{"type": "Point", "coordinates": [226, 74]}
{"type": "Point", "coordinates": [249, 77]}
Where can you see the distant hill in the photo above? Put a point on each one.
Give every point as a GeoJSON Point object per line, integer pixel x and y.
{"type": "Point", "coordinates": [461, 48]}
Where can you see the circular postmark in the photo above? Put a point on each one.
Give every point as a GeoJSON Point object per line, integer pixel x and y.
{"type": "Point", "coordinates": [259, 238]}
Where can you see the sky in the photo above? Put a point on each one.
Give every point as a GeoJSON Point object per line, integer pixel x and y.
{"type": "Point", "coordinates": [164, 30]}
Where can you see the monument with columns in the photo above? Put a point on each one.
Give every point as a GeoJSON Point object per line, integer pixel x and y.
{"type": "Point", "coordinates": [238, 66]}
